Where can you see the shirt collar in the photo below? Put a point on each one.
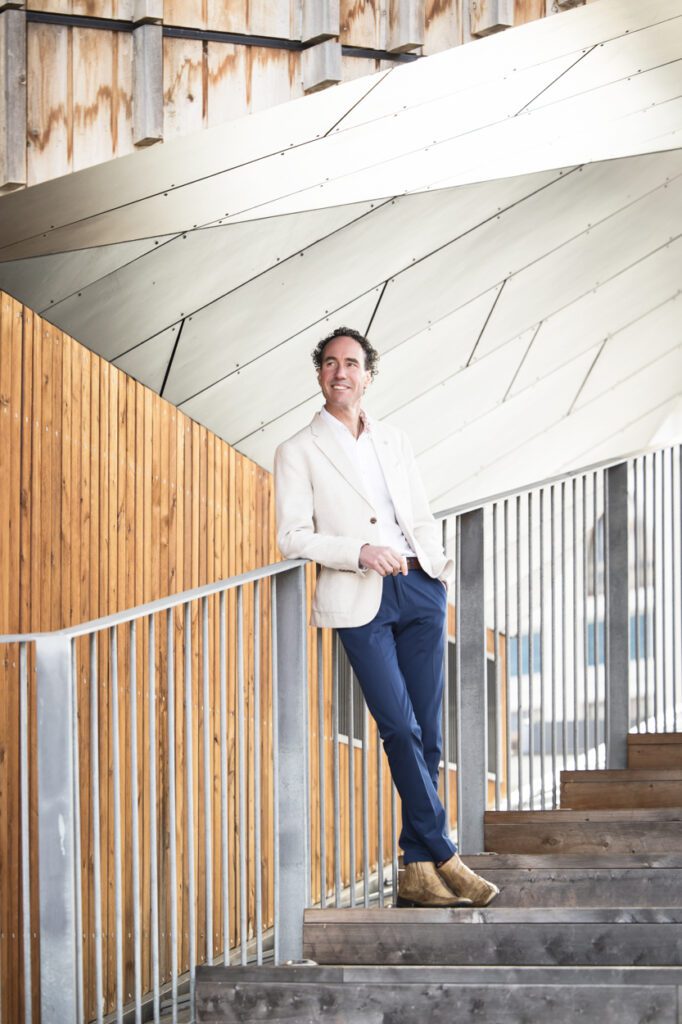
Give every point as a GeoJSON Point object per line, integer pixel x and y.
{"type": "Point", "coordinates": [364, 418]}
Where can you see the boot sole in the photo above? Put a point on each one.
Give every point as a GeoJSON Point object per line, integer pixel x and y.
{"type": "Point", "coordinates": [401, 901]}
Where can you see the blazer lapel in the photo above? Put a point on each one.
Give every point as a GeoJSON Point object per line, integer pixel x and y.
{"type": "Point", "coordinates": [388, 459]}
{"type": "Point", "coordinates": [323, 435]}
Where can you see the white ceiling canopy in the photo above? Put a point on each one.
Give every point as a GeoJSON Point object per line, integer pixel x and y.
{"type": "Point", "coordinates": [504, 219]}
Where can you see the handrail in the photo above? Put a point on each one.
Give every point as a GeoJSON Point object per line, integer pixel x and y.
{"type": "Point", "coordinates": [160, 605]}
{"type": "Point", "coordinates": [467, 506]}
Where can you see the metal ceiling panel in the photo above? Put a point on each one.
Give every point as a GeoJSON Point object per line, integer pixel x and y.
{"type": "Point", "coordinates": [150, 362]}
{"type": "Point", "coordinates": [187, 272]}
{"type": "Point", "coordinates": [618, 302]}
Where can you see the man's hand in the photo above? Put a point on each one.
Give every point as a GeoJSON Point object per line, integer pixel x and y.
{"type": "Point", "coordinates": [385, 561]}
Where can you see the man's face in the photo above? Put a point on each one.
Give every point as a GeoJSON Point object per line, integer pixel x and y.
{"type": "Point", "coordinates": [342, 376]}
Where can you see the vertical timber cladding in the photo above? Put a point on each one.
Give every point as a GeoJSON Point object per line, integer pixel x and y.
{"type": "Point", "coordinates": [110, 498]}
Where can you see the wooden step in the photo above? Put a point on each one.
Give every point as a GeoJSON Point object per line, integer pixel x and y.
{"type": "Point", "coordinates": [581, 881]}
{"type": "Point", "coordinates": [439, 995]}
{"type": "Point", "coordinates": [645, 830]}
{"type": "Point", "coordinates": [616, 788]}
{"type": "Point", "coordinates": [655, 750]}
{"type": "Point", "coordinates": [501, 936]}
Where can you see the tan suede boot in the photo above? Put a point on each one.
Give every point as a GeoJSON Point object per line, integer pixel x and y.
{"type": "Point", "coordinates": [465, 882]}
{"type": "Point", "coordinates": [420, 886]}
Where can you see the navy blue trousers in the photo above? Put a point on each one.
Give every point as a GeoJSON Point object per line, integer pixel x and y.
{"type": "Point", "coordinates": [398, 661]}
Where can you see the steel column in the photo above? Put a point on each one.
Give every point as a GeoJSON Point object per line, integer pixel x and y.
{"type": "Point", "coordinates": [616, 593]}
{"type": "Point", "coordinates": [471, 684]}
{"type": "Point", "coordinates": [56, 831]}
{"type": "Point", "coordinates": [293, 894]}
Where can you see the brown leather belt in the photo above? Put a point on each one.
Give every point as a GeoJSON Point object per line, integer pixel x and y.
{"type": "Point", "coordinates": [413, 562]}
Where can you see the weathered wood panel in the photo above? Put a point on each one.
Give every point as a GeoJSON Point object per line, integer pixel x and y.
{"type": "Point", "coordinates": [414, 995]}
{"type": "Point", "coordinates": [614, 831]}
{"type": "Point", "coordinates": [364, 23]}
{"type": "Point", "coordinates": [644, 787]}
{"type": "Point", "coordinates": [551, 936]}
{"type": "Point", "coordinates": [655, 750]}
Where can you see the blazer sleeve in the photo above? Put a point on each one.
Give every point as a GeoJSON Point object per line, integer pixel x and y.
{"type": "Point", "coordinates": [426, 529]}
{"type": "Point", "coordinates": [297, 536]}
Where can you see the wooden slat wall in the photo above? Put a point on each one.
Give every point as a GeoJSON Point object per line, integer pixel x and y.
{"type": "Point", "coordinates": [110, 498]}
{"type": "Point", "coordinates": [80, 80]}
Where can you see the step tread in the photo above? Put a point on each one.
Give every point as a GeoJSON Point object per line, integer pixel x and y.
{"type": "Point", "coordinates": [603, 860]}
{"type": "Point", "coordinates": [635, 738]}
{"type": "Point", "coordinates": [616, 775]}
{"type": "Point", "coordinates": [423, 916]}
{"type": "Point", "coordinates": [664, 814]}
{"type": "Point", "coordinates": [483, 974]}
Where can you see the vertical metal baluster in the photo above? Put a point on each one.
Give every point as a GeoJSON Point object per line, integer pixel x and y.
{"type": "Point", "coordinates": [153, 843]}
{"type": "Point", "coordinates": [654, 587]}
{"type": "Point", "coordinates": [564, 631]}
{"type": "Point", "coordinates": [446, 705]}
{"type": "Point", "coordinates": [258, 810]}
{"type": "Point", "coordinates": [134, 820]}
{"type": "Point", "coordinates": [321, 769]}
{"type": "Point", "coordinates": [574, 601]}
{"type": "Point", "coordinates": [553, 632]}
{"type": "Point", "coordinates": [541, 498]}
{"type": "Point", "coordinates": [519, 653]}
{"type": "Point", "coordinates": [586, 696]}
{"type": "Point", "coordinates": [507, 620]}
{"type": "Point", "coordinates": [113, 670]}
{"type": "Point", "coordinates": [335, 768]}
{"type": "Point", "coordinates": [208, 782]}
{"type": "Point", "coordinates": [275, 764]}
{"type": "Point", "coordinates": [595, 618]}
{"type": "Point", "coordinates": [365, 804]}
{"type": "Point", "coordinates": [224, 849]}
{"type": "Point", "coordinates": [498, 680]}
{"type": "Point", "coordinates": [96, 836]}
{"type": "Point", "coordinates": [664, 601]}
{"type": "Point", "coordinates": [25, 835]}
{"type": "Point", "coordinates": [189, 802]}
{"type": "Point", "coordinates": [78, 839]}
{"type": "Point", "coordinates": [531, 665]}
{"type": "Point", "coordinates": [172, 825]}
{"type": "Point", "coordinates": [645, 581]}
{"type": "Point", "coordinates": [351, 789]}
{"type": "Point", "coordinates": [241, 739]}
{"type": "Point", "coordinates": [380, 818]}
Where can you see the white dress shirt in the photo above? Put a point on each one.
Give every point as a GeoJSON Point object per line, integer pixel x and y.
{"type": "Point", "coordinates": [362, 453]}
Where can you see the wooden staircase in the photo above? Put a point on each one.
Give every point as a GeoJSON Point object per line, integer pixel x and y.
{"type": "Point", "coordinates": [587, 926]}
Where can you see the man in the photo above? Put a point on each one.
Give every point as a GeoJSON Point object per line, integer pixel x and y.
{"type": "Point", "coordinates": [349, 496]}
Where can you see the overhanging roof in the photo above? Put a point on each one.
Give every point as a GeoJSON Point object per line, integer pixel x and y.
{"type": "Point", "coordinates": [505, 218]}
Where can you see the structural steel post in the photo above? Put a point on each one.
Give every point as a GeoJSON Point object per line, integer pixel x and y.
{"type": "Point", "coordinates": [471, 686]}
{"type": "Point", "coordinates": [616, 590]}
{"type": "Point", "coordinates": [293, 893]}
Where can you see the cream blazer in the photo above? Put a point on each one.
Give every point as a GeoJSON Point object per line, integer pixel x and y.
{"type": "Point", "coordinates": [324, 514]}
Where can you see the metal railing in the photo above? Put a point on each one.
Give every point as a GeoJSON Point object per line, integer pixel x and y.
{"type": "Point", "coordinates": [204, 770]}
{"type": "Point", "coordinates": [580, 577]}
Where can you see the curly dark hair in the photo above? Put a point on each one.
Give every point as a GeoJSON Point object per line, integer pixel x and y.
{"type": "Point", "coordinates": [371, 354]}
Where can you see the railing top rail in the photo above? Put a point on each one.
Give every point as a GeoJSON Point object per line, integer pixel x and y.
{"type": "Point", "coordinates": [160, 605]}
{"type": "Point", "coordinates": [569, 474]}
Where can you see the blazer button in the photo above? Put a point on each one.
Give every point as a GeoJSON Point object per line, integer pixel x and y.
{"type": "Point", "coordinates": [373, 519]}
